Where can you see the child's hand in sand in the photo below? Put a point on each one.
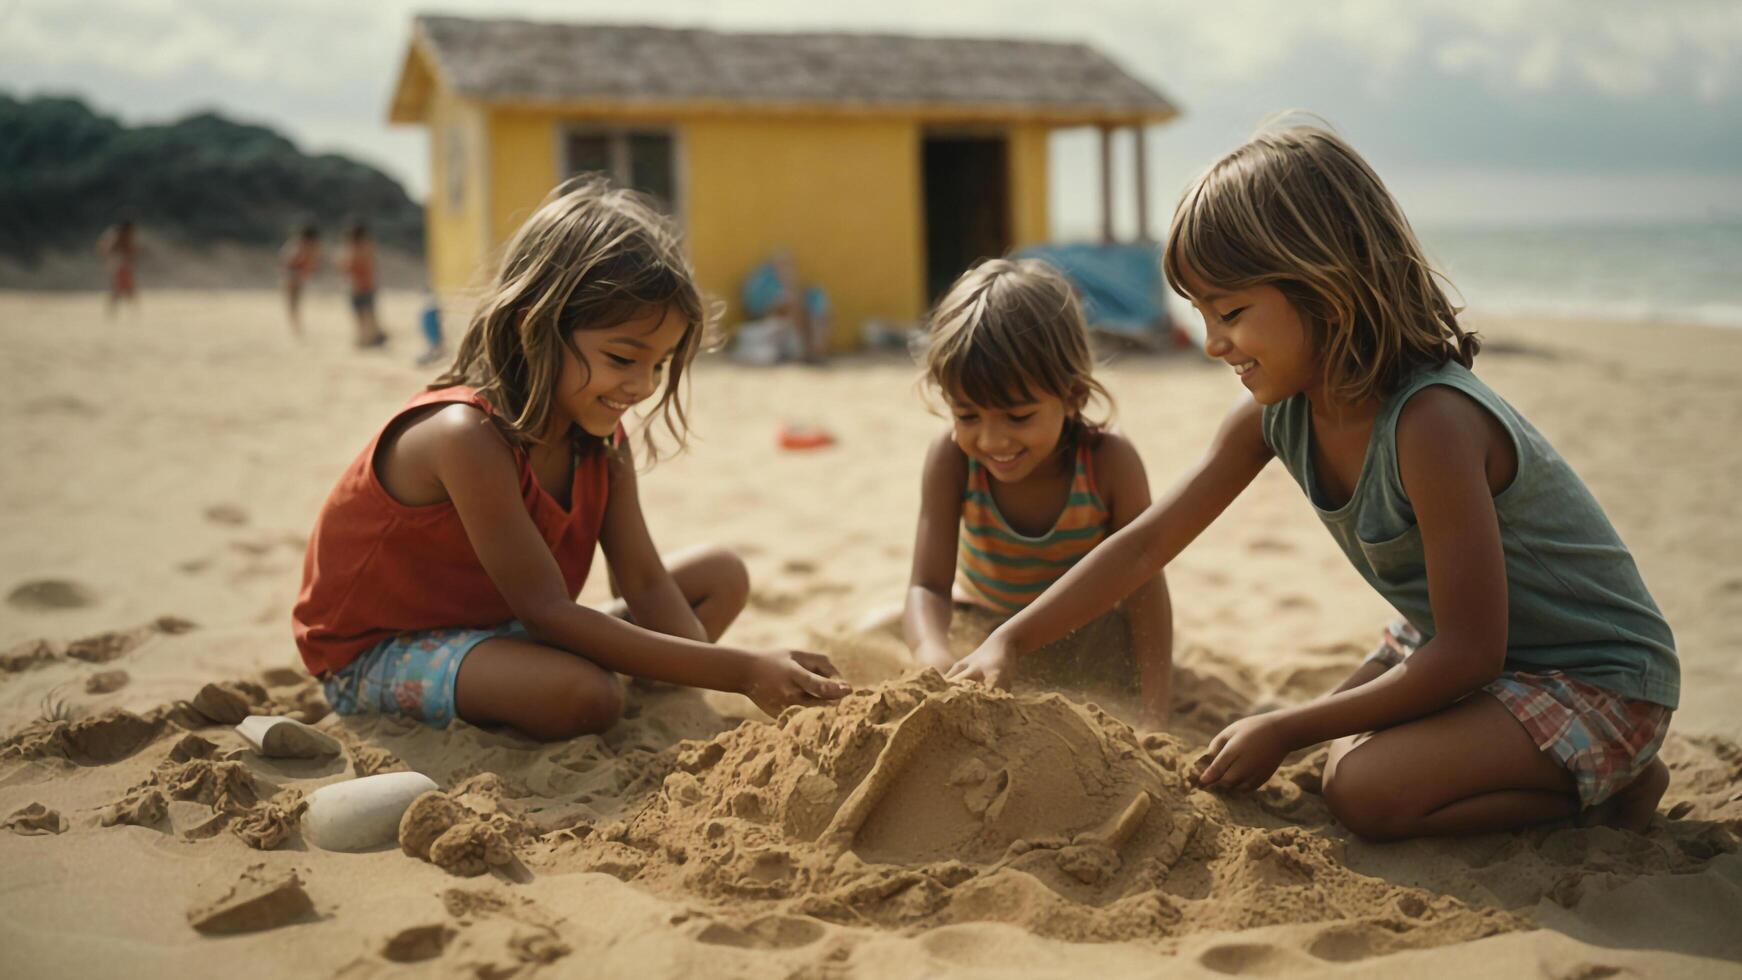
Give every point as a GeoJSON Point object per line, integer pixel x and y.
{"type": "Point", "coordinates": [991, 664]}
{"type": "Point", "coordinates": [780, 679]}
{"type": "Point", "coordinates": [1244, 755]}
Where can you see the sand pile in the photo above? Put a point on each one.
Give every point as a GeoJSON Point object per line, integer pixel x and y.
{"type": "Point", "coordinates": [917, 803]}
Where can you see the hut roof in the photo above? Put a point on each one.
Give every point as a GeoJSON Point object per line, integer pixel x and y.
{"type": "Point", "coordinates": [525, 61]}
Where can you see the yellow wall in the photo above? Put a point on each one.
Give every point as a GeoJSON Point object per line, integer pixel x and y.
{"type": "Point", "coordinates": [454, 230]}
{"type": "Point", "coordinates": [523, 168]}
{"type": "Point", "coordinates": [844, 194]}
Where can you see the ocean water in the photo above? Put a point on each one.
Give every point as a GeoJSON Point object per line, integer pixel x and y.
{"type": "Point", "coordinates": [1687, 272]}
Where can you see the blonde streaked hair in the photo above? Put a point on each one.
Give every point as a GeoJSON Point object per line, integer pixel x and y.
{"type": "Point", "coordinates": [1298, 209]}
{"type": "Point", "coordinates": [591, 257]}
{"type": "Point", "coordinates": [1009, 330]}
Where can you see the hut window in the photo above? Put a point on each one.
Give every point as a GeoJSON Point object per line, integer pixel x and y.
{"type": "Point", "coordinates": [642, 159]}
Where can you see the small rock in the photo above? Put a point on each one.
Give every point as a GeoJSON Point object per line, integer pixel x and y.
{"type": "Point", "coordinates": [225, 704]}
{"type": "Point", "coordinates": [277, 737]}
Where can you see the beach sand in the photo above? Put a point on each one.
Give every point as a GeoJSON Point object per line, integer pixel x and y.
{"type": "Point", "coordinates": [162, 473]}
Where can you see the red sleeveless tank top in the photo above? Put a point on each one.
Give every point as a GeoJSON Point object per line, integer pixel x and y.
{"type": "Point", "coordinates": [376, 567]}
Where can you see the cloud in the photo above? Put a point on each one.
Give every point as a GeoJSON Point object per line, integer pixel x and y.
{"type": "Point", "coordinates": [1518, 85]}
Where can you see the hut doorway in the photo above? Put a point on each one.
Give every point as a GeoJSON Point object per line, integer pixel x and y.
{"type": "Point", "coordinates": [967, 205]}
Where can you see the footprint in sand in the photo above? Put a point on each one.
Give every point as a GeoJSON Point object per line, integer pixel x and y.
{"type": "Point", "coordinates": [1346, 944]}
{"type": "Point", "coordinates": [106, 682]}
{"type": "Point", "coordinates": [418, 943]}
{"type": "Point", "coordinates": [41, 595]}
{"type": "Point", "coordinates": [1269, 546]}
{"type": "Point", "coordinates": [1295, 603]}
{"type": "Point", "coordinates": [59, 405]}
{"type": "Point", "coordinates": [1249, 959]}
{"type": "Point", "coordinates": [798, 566]}
{"type": "Point", "coordinates": [227, 514]}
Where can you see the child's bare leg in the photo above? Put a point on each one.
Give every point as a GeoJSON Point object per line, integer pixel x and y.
{"type": "Point", "coordinates": [547, 693]}
{"type": "Point", "coordinates": [713, 581]}
{"type": "Point", "coordinates": [293, 299]}
{"type": "Point", "coordinates": [1468, 769]}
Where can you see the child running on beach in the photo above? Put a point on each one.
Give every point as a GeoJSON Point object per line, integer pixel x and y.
{"type": "Point", "coordinates": [1023, 485]}
{"type": "Point", "coordinates": [299, 257]}
{"type": "Point", "coordinates": [442, 572]}
{"type": "Point", "coordinates": [119, 247]}
{"type": "Point", "coordinates": [357, 262]}
{"type": "Point", "coordinates": [1532, 676]}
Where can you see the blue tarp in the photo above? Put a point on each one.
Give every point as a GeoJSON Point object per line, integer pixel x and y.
{"type": "Point", "coordinates": [1121, 286]}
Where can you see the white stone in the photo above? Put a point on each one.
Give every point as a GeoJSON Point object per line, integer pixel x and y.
{"type": "Point", "coordinates": [362, 814]}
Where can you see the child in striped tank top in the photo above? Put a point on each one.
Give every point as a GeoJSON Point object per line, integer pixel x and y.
{"type": "Point", "coordinates": [1023, 485]}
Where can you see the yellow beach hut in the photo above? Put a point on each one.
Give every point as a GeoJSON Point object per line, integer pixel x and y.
{"type": "Point", "coordinates": [885, 164]}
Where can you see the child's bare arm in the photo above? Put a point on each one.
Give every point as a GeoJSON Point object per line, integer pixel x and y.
{"type": "Point", "coordinates": [653, 598]}
{"type": "Point", "coordinates": [1442, 449]}
{"type": "Point", "coordinates": [477, 471]}
{"type": "Point", "coordinates": [1149, 609]}
{"type": "Point", "coordinates": [926, 617]}
{"type": "Point", "coordinates": [1135, 554]}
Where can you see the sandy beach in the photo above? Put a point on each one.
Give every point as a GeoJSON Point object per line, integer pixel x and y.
{"type": "Point", "coordinates": [162, 473]}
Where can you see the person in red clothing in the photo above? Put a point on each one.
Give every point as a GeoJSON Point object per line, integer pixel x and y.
{"type": "Point", "coordinates": [442, 572]}
{"type": "Point", "coordinates": [299, 257]}
{"type": "Point", "coordinates": [357, 262]}
{"type": "Point", "coordinates": [119, 247]}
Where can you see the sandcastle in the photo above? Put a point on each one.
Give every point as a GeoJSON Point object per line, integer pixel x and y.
{"type": "Point", "coordinates": [917, 803]}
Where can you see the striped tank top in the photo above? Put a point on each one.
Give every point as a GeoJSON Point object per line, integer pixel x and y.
{"type": "Point", "coordinates": [1003, 570]}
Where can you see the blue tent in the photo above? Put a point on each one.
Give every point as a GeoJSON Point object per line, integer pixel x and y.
{"type": "Point", "coordinates": [1121, 286]}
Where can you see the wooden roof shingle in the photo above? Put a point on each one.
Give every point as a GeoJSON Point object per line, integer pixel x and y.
{"type": "Point", "coordinates": [535, 62]}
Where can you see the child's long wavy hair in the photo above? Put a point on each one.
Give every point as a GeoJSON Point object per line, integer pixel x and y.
{"type": "Point", "coordinates": [1011, 329]}
{"type": "Point", "coordinates": [591, 257]}
{"type": "Point", "coordinates": [1298, 209]}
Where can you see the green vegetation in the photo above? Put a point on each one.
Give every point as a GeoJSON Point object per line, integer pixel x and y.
{"type": "Point", "coordinates": [66, 173]}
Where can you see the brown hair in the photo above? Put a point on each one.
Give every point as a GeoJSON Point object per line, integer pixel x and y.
{"type": "Point", "coordinates": [1011, 329]}
{"type": "Point", "coordinates": [591, 257]}
{"type": "Point", "coordinates": [1298, 209]}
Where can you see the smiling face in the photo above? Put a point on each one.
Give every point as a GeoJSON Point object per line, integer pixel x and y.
{"type": "Point", "coordinates": [1012, 442]}
{"type": "Point", "coordinates": [624, 365]}
{"type": "Point", "coordinates": [1262, 336]}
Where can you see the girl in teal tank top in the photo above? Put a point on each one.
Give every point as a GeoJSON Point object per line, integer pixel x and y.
{"type": "Point", "coordinates": [1531, 676]}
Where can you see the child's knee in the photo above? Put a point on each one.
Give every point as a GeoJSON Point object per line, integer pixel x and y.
{"type": "Point", "coordinates": [728, 575]}
{"type": "Point", "coordinates": [1360, 799]}
{"type": "Point", "coordinates": [590, 703]}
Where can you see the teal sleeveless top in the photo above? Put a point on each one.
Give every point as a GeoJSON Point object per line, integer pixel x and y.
{"type": "Point", "coordinates": [1575, 601]}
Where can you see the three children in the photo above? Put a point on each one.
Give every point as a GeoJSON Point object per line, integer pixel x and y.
{"type": "Point", "coordinates": [1531, 676]}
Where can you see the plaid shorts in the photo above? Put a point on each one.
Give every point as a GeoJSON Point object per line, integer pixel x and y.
{"type": "Point", "coordinates": [1602, 738]}
{"type": "Point", "coordinates": [412, 674]}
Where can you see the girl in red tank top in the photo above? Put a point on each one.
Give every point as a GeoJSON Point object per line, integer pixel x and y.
{"type": "Point", "coordinates": [442, 572]}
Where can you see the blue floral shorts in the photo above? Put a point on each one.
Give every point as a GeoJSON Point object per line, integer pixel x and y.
{"type": "Point", "coordinates": [412, 674]}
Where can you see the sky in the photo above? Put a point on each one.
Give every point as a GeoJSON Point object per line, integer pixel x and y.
{"type": "Point", "coordinates": [1476, 112]}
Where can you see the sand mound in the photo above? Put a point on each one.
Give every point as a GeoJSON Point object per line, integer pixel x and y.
{"type": "Point", "coordinates": [918, 803]}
